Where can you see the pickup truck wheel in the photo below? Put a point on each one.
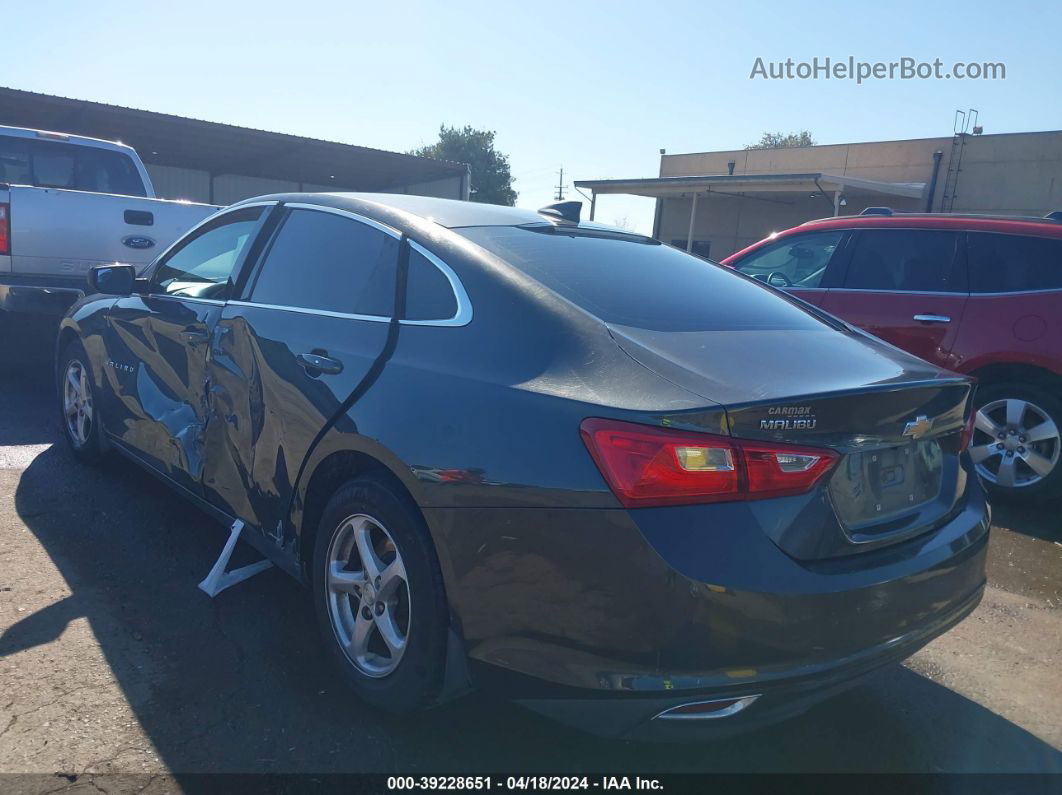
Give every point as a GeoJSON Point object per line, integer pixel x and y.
{"type": "Point", "coordinates": [78, 412]}
{"type": "Point", "coordinates": [379, 597]}
{"type": "Point", "coordinates": [1017, 442]}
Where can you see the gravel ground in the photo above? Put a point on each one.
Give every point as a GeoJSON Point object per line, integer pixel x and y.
{"type": "Point", "coordinates": [111, 661]}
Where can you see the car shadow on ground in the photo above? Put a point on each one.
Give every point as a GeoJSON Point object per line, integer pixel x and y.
{"type": "Point", "coordinates": [1038, 521]}
{"type": "Point", "coordinates": [238, 683]}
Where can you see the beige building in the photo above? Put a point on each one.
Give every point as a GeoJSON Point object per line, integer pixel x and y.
{"type": "Point", "coordinates": [716, 203]}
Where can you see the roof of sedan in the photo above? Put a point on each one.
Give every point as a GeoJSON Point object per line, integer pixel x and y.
{"type": "Point", "coordinates": [450, 213]}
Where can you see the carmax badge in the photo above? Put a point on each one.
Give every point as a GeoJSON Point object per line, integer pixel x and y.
{"type": "Point", "coordinates": [918, 427]}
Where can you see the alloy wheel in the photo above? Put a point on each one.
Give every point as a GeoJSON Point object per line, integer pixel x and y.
{"type": "Point", "coordinates": [368, 595]}
{"type": "Point", "coordinates": [77, 402]}
{"type": "Point", "coordinates": [1015, 444]}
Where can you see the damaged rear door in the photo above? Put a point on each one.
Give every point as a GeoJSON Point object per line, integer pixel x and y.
{"type": "Point", "coordinates": [311, 328]}
{"type": "Point", "coordinates": [158, 344]}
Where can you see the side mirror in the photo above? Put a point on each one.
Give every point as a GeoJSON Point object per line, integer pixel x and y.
{"type": "Point", "coordinates": [113, 279]}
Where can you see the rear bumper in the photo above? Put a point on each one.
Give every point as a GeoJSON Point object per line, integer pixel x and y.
{"type": "Point", "coordinates": [788, 695]}
{"type": "Point", "coordinates": [604, 618]}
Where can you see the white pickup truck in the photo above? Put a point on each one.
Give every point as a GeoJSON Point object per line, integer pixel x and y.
{"type": "Point", "coordinates": [68, 203]}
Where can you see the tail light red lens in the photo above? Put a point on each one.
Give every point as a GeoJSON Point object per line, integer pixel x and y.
{"type": "Point", "coordinates": [5, 229]}
{"type": "Point", "coordinates": [646, 466]}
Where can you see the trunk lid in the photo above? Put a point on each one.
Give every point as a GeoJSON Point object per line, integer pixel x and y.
{"type": "Point", "coordinates": [896, 420]}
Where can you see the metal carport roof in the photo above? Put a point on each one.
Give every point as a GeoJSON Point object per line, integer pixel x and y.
{"type": "Point", "coordinates": [776, 187]}
{"type": "Point", "coordinates": [223, 148]}
{"type": "Point", "coordinates": [730, 184]}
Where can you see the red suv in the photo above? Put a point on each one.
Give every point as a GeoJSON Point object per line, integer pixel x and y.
{"type": "Point", "coordinates": [977, 294]}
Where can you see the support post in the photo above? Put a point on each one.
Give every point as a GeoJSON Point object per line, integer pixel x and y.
{"type": "Point", "coordinates": [593, 203]}
{"type": "Point", "coordinates": [693, 218]}
{"type": "Point", "coordinates": [836, 203]}
{"type": "Point", "coordinates": [219, 579]}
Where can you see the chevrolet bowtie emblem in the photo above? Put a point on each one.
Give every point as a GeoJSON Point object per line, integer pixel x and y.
{"type": "Point", "coordinates": [918, 427]}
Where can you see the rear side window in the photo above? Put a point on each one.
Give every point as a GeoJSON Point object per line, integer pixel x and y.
{"type": "Point", "coordinates": [794, 261]}
{"type": "Point", "coordinates": [324, 261]}
{"type": "Point", "coordinates": [634, 281]}
{"type": "Point", "coordinates": [904, 260]}
{"type": "Point", "coordinates": [429, 294]}
{"type": "Point", "coordinates": [1013, 263]}
{"type": "Point", "coordinates": [54, 164]}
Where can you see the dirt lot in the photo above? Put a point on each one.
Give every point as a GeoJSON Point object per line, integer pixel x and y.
{"type": "Point", "coordinates": [112, 661]}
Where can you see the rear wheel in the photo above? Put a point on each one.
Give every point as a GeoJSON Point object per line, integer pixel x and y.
{"type": "Point", "coordinates": [1017, 443]}
{"type": "Point", "coordinates": [78, 411]}
{"type": "Point", "coordinates": [379, 596]}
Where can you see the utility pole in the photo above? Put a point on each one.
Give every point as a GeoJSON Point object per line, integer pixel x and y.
{"type": "Point", "coordinates": [560, 186]}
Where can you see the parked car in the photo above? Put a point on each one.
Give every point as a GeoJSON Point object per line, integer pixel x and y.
{"type": "Point", "coordinates": [67, 203]}
{"type": "Point", "coordinates": [975, 294]}
{"type": "Point", "coordinates": [513, 450]}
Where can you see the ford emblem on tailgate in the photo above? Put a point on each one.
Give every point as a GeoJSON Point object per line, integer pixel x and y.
{"type": "Point", "coordinates": [138, 241]}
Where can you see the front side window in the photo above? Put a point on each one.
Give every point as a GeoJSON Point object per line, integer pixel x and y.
{"type": "Point", "coordinates": [324, 261]}
{"type": "Point", "coordinates": [794, 261]}
{"type": "Point", "coordinates": [203, 266]}
{"type": "Point", "coordinates": [904, 260]}
{"type": "Point", "coordinates": [630, 280]}
{"type": "Point", "coordinates": [1013, 263]}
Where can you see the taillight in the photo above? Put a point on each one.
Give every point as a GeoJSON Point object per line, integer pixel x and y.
{"type": "Point", "coordinates": [5, 228]}
{"type": "Point", "coordinates": [645, 465]}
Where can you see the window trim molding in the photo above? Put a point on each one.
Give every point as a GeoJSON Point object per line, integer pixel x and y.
{"type": "Point", "coordinates": [303, 310]}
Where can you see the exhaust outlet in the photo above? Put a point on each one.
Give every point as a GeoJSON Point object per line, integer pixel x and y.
{"type": "Point", "coordinates": [707, 710]}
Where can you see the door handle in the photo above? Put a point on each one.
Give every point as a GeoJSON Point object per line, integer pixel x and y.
{"type": "Point", "coordinates": [932, 318]}
{"type": "Point", "coordinates": [320, 364]}
{"type": "Point", "coordinates": [194, 336]}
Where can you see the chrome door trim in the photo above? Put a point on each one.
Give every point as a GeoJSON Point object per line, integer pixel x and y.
{"type": "Point", "coordinates": [302, 310]}
{"type": "Point", "coordinates": [382, 227]}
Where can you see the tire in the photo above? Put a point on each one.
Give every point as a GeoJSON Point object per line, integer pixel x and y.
{"type": "Point", "coordinates": [82, 429]}
{"type": "Point", "coordinates": [374, 510]}
{"type": "Point", "coordinates": [1032, 445]}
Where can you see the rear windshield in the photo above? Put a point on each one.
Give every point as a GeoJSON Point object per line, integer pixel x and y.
{"type": "Point", "coordinates": [54, 164]}
{"type": "Point", "coordinates": [629, 280]}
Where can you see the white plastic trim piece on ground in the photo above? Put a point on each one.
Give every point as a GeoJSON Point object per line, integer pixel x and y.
{"type": "Point", "coordinates": [219, 579]}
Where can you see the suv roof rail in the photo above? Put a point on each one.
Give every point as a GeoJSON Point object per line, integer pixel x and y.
{"type": "Point", "coordinates": [877, 211]}
{"type": "Point", "coordinates": [1054, 215]}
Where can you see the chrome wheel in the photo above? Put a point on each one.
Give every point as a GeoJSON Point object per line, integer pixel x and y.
{"type": "Point", "coordinates": [77, 402]}
{"type": "Point", "coordinates": [368, 595]}
{"type": "Point", "coordinates": [1015, 443]}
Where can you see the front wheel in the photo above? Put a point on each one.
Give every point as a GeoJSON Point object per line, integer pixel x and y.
{"type": "Point", "coordinates": [378, 595]}
{"type": "Point", "coordinates": [1016, 442]}
{"type": "Point", "coordinates": [79, 413]}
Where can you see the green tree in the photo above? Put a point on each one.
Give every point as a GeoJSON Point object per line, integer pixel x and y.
{"type": "Point", "coordinates": [777, 140]}
{"type": "Point", "coordinates": [491, 180]}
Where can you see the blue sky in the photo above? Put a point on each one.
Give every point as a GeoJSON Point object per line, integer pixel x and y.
{"type": "Point", "coordinates": [596, 87]}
